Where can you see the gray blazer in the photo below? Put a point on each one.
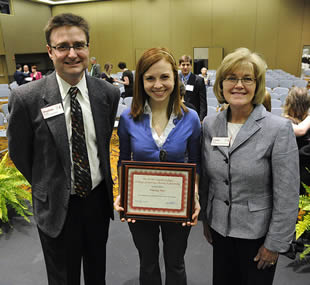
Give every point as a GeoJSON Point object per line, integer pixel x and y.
{"type": "Point", "coordinates": [40, 148]}
{"type": "Point", "coordinates": [96, 70]}
{"type": "Point", "coordinates": [251, 189]}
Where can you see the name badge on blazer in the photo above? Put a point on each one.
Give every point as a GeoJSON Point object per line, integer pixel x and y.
{"type": "Point", "coordinates": [52, 111]}
{"type": "Point", "coordinates": [220, 141]}
{"type": "Point", "coordinates": [189, 87]}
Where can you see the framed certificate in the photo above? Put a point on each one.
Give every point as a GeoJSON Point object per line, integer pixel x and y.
{"type": "Point", "coordinates": [157, 191]}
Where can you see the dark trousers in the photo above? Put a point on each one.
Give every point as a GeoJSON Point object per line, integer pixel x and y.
{"type": "Point", "coordinates": [233, 262]}
{"type": "Point", "coordinates": [146, 238]}
{"type": "Point", "coordinates": [84, 237]}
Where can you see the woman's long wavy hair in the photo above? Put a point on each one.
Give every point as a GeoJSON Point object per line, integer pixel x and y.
{"type": "Point", "coordinates": [150, 57]}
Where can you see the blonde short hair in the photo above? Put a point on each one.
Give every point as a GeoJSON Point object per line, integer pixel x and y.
{"type": "Point", "coordinates": [235, 60]}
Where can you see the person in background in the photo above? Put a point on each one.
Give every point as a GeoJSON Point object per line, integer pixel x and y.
{"type": "Point", "coordinates": [158, 123]}
{"type": "Point", "coordinates": [182, 94]}
{"type": "Point", "coordinates": [204, 74]}
{"type": "Point", "coordinates": [35, 75]}
{"type": "Point", "coordinates": [302, 128]}
{"type": "Point", "coordinates": [126, 80]}
{"type": "Point", "coordinates": [106, 75]}
{"type": "Point", "coordinates": [19, 75]}
{"type": "Point", "coordinates": [267, 101]}
{"type": "Point", "coordinates": [65, 122]}
{"type": "Point", "coordinates": [249, 188]}
{"type": "Point", "coordinates": [296, 109]}
{"type": "Point", "coordinates": [195, 87]}
{"type": "Point", "coordinates": [95, 68]}
{"type": "Point", "coordinates": [26, 70]}
{"type": "Point", "coordinates": [27, 73]}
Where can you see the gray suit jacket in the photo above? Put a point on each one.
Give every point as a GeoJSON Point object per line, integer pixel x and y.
{"type": "Point", "coordinates": [40, 148]}
{"type": "Point", "coordinates": [96, 70]}
{"type": "Point", "coordinates": [251, 189]}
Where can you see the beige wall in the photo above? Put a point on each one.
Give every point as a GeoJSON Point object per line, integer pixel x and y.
{"type": "Point", "coordinates": [3, 65]}
{"type": "Point", "coordinates": [277, 29]}
{"type": "Point", "coordinates": [23, 31]}
{"type": "Point", "coordinates": [122, 29]}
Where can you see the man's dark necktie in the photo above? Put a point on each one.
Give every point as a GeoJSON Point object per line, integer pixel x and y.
{"type": "Point", "coordinates": [82, 177]}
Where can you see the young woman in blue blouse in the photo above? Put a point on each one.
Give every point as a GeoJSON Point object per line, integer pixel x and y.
{"type": "Point", "coordinates": [159, 123]}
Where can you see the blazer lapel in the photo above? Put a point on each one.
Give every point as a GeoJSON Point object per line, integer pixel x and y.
{"type": "Point", "coordinates": [220, 127]}
{"type": "Point", "coordinates": [249, 128]}
{"type": "Point", "coordinates": [100, 109]}
{"type": "Point", "coordinates": [57, 124]}
{"type": "Point", "coordinates": [191, 79]}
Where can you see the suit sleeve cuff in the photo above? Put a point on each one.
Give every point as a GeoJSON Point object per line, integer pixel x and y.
{"type": "Point", "coordinates": [276, 245]}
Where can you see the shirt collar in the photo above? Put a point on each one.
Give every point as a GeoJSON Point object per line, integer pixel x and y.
{"type": "Point", "coordinates": [147, 108]}
{"type": "Point", "coordinates": [186, 77]}
{"type": "Point", "coordinates": [65, 86]}
{"type": "Point", "coordinates": [148, 111]}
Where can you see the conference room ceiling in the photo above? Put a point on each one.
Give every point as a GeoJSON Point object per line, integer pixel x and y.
{"type": "Point", "coordinates": [62, 2]}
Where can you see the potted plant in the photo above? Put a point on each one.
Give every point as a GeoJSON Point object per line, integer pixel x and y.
{"type": "Point", "coordinates": [15, 194]}
{"type": "Point", "coordinates": [303, 225]}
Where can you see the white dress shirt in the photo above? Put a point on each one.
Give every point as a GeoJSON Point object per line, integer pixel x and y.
{"type": "Point", "coordinates": [89, 127]}
{"type": "Point", "coordinates": [233, 129]}
{"type": "Point", "coordinates": [160, 140]}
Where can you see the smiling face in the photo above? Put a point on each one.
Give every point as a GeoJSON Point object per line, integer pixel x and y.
{"type": "Point", "coordinates": [158, 82]}
{"type": "Point", "coordinates": [240, 94]}
{"type": "Point", "coordinates": [70, 65]}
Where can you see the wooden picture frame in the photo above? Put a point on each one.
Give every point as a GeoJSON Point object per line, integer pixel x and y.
{"type": "Point", "coordinates": [158, 191]}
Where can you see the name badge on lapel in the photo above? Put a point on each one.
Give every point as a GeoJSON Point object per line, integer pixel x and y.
{"type": "Point", "coordinates": [52, 111]}
{"type": "Point", "coordinates": [220, 141]}
{"type": "Point", "coordinates": [189, 87]}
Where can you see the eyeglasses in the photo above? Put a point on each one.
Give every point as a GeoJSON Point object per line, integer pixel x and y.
{"type": "Point", "coordinates": [244, 80]}
{"type": "Point", "coordinates": [66, 48]}
{"type": "Point", "coordinates": [162, 155]}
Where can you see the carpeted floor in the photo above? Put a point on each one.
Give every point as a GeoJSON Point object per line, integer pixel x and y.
{"type": "Point", "coordinates": [3, 143]}
{"type": "Point", "coordinates": [114, 152]}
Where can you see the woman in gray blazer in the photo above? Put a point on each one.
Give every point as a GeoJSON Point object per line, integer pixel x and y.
{"type": "Point", "coordinates": [250, 176]}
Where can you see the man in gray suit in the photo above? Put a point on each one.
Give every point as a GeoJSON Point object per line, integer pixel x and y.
{"type": "Point", "coordinates": [59, 133]}
{"type": "Point", "coordinates": [95, 68]}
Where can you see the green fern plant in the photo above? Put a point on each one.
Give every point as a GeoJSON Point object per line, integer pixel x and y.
{"type": "Point", "coordinates": [305, 252]}
{"type": "Point", "coordinates": [303, 224]}
{"type": "Point", "coordinates": [13, 192]}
